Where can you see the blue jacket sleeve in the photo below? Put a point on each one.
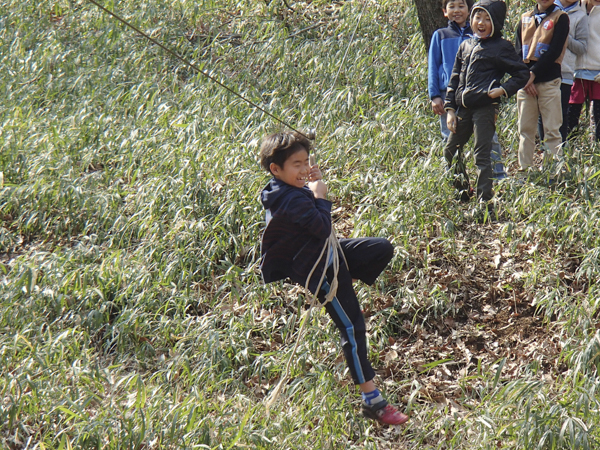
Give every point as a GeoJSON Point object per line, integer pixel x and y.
{"type": "Point", "coordinates": [434, 61]}
{"type": "Point", "coordinates": [450, 101]}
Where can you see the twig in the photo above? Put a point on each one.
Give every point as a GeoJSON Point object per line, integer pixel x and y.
{"type": "Point", "coordinates": [25, 83]}
{"type": "Point", "coordinates": [205, 37]}
{"type": "Point", "coordinates": [289, 7]}
{"type": "Point", "coordinates": [296, 33]}
{"type": "Point", "coordinates": [318, 24]}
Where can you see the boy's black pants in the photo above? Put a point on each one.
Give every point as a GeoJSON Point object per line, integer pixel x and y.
{"type": "Point", "coordinates": [575, 113]}
{"type": "Point", "coordinates": [366, 257]}
{"type": "Point", "coordinates": [481, 122]}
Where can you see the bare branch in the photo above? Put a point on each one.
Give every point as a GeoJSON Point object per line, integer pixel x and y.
{"type": "Point", "coordinates": [289, 7]}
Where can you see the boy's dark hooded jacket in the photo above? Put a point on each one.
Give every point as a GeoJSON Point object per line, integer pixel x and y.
{"type": "Point", "coordinates": [296, 233]}
{"type": "Point", "coordinates": [481, 64]}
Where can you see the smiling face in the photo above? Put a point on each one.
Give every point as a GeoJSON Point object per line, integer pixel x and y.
{"type": "Point", "coordinates": [295, 169]}
{"type": "Point", "coordinates": [481, 24]}
{"type": "Point", "coordinates": [543, 5]}
{"type": "Point", "coordinates": [567, 3]}
{"type": "Point", "coordinates": [458, 11]}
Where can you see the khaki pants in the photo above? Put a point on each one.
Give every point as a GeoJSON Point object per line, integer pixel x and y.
{"type": "Point", "coordinates": [547, 104]}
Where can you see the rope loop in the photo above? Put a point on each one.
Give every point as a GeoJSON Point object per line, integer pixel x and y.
{"type": "Point", "coordinates": [331, 247]}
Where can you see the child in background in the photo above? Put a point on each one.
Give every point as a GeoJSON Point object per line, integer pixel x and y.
{"type": "Point", "coordinates": [587, 73]}
{"type": "Point", "coordinates": [298, 225]}
{"type": "Point", "coordinates": [576, 46]}
{"type": "Point", "coordinates": [442, 53]}
{"type": "Point", "coordinates": [541, 41]}
{"type": "Point", "coordinates": [474, 91]}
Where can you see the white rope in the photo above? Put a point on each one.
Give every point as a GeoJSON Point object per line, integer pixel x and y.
{"type": "Point", "coordinates": [331, 247]}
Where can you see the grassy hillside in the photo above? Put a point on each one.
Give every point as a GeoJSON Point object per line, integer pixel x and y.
{"type": "Point", "coordinates": [132, 309]}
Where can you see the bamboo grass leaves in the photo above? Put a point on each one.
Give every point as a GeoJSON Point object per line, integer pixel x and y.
{"type": "Point", "coordinates": [132, 310]}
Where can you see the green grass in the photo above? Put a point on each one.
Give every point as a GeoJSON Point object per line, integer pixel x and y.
{"type": "Point", "coordinates": [132, 309]}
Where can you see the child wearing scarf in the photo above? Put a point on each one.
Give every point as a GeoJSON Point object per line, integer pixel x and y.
{"type": "Point", "coordinates": [542, 42]}
{"type": "Point", "coordinates": [576, 46]}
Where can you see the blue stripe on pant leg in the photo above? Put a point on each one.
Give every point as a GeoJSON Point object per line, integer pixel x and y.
{"type": "Point", "coordinates": [349, 332]}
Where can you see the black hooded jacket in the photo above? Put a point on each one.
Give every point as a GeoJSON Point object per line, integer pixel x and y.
{"type": "Point", "coordinates": [481, 64]}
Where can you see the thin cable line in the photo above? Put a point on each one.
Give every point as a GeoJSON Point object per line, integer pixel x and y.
{"type": "Point", "coordinates": [196, 68]}
{"type": "Point", "coordinates": [343, 59]}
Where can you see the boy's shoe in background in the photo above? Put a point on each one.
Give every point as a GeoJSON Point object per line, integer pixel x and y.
{"type": "Point", "coordinates": [465, 196]}
{"type": "Point", "coordinates": [498, 172]}
{"type": "Point", "coordinates": [383, 413]}
{"type": "Point", "coordinates": [485, 212]}
{"type": "Point", "coordinates": [522, 176]}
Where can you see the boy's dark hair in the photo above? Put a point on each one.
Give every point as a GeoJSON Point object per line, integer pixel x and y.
{"type": "Point", "coordinates": [468, 2]}
{"type": "Point", "coordinates": [278, 147]}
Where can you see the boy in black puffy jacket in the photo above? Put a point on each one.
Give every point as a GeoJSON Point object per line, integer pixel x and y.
{"type": "Point", "coordinates": [474, 91]}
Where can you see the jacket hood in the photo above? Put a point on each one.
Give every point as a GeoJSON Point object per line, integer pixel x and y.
{"type": "Point", "coordinates": [497, 12]}
{"type": "Point", "coordinates": [272, 192]}
{"type": "Point", "coordinates": [276, 189]}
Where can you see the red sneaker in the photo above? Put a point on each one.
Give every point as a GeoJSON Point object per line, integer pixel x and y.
{"type": "Point", "coordinates": [384, 413]}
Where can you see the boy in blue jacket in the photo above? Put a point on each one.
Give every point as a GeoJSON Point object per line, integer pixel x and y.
{"type": "Point", "coordinates": [442, 53]}
{"type": "Point", "coordinates": [298, 225]}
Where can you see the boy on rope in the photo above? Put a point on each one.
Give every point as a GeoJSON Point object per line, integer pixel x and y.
{"type": "Point", "coordinates": [474, 93]}
{"type": "Point", "coordinates": [298, 217]}
{"type": "Point", "coordinates": [442, 53]}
